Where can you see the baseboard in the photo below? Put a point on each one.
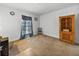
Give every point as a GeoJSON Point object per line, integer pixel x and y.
{"type": "Point", "coordinates": [50, 36]}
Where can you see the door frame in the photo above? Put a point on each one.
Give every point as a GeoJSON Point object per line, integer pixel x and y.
{"type": "Point", "coordinates": [25, 18]}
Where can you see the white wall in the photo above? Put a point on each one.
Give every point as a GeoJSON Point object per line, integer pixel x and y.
{"type": "Point", "coordinates": [50, 21]}
{"type": "Point", "coordinates": [77, 26]}
{"type": "Point", "coordinates": [11, 25]}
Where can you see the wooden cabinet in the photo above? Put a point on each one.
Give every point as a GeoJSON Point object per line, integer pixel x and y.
{"type": "Point", "coordinates": [67, 28]}
{"type": "Point", "coordinates": [4, 51]}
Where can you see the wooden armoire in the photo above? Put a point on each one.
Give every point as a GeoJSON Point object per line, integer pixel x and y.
{"type": "Point", "coordinates": [67, 28]}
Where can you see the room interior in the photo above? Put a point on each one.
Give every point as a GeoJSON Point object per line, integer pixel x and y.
{"type": "Point", "coordinates": [39, 29]}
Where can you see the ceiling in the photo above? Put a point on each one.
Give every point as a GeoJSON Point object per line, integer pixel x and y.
{"type": "Point", "coordinates": [39, 8]}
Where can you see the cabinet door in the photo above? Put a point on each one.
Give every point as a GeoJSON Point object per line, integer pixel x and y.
{"type": "Point", "coordinates": [5, 48]}
{"type": "Point", "coordinates": [67, 28]}
{"type": "Point", "coordinates": [0, 48]}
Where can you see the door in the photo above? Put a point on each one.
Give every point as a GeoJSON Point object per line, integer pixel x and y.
{"type": "Point", "coordinates": [26, 27]}
{"type": "Point", "coordinates": [67, 28]}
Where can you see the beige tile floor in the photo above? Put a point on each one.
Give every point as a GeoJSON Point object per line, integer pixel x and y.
{"type": "Point", "coordinates": [41, 45]}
